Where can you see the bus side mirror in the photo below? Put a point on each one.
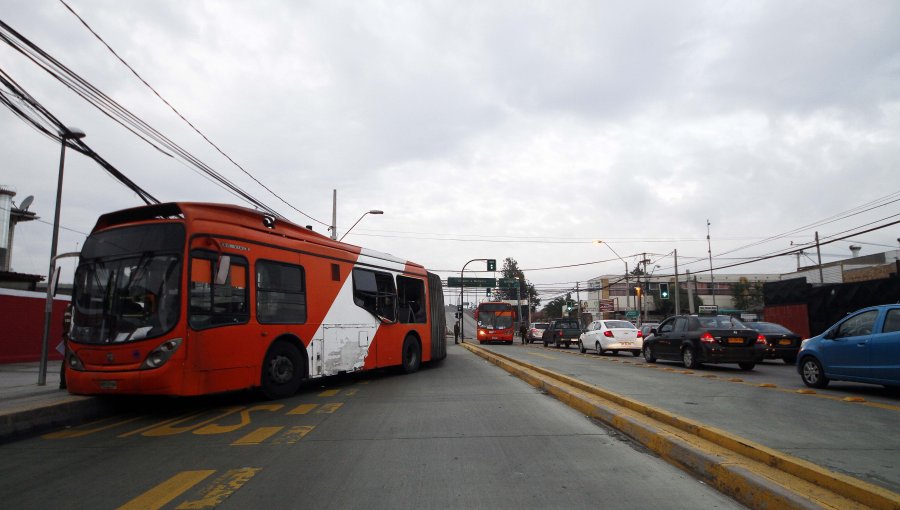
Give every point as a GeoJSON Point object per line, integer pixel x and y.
{"type": "Point", "coordinates": [222, 269]}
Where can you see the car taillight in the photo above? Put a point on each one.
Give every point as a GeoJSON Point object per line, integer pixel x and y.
{"type": "Point", "coordinates": [707, 338]}
{"type": "Point", "coordinates": [760, 339]}
{"type": "Point", "coordinates": [640, 335]}
{"type": "Point", "coordinates": [608, 333]}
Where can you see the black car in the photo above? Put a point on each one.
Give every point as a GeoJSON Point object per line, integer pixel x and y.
{"type": "Point", "coordinates": [780, 341]}
{"type": "Point", "coordinates": [696, 339]}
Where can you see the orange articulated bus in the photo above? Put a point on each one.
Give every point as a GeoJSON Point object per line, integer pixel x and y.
{"type": "Point", "coordinates": [495, 322]}
{"type": "Point", "coordinates": [194, 298]}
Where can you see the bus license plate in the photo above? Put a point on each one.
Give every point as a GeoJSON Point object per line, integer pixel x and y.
{"type": "Point", "coordinates": [109, 385]}
{"type": "Point", "coordinates": [735, 340]}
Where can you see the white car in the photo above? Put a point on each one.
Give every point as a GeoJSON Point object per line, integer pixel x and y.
{"type": "Point", "coordinates": [536, 331]}
{"type": "Point", "coordinates": [612, 335]}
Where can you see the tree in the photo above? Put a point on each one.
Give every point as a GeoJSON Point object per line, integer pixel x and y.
{"type": "Point", "coordinates": [556, 305]}
{"type": "Point", "coordinates": [748, 296]}
{"type": "Point", "coordinates": [527, 292]}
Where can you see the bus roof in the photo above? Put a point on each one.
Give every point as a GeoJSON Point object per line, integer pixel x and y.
{"type": "Point", "coordinates": [238, 217]}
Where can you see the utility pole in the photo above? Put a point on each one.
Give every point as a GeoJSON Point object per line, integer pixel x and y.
{"type": "Point", "coordinates": [645, 287]}
{"type": "Point", "coordinates": [677, 297]}
{"type": "Point", "coordinates": [519, 305]}
{"type": "Point", "coordinates": [334, 214]}
{"type": "Point", "coordinates": [690, 293]}
{"type": "Point", "coordinates": [578, 303]}
{"type": "Point", "coordinates": [819, 254]}
{"type": "Point", "coordinates": [712, 281]}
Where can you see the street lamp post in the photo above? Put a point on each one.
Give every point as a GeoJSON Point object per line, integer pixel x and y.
{"type": "Point", "coordinates": [373, 211]}
{"type": "Point", "coordinates": [69, 133]}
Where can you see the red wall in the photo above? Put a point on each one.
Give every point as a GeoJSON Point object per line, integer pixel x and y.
{"type": "Point", "coordinates": [22, 326]}
{"type": "Point", "coordinates": [793, 317]}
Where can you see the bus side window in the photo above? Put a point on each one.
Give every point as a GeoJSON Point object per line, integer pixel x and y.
{"type": "Point", "coordinates": [411, 300]}
{"type": "Point", "coordinates": [214, 305]}
{"type": "Point", "coordinates": [280, 293]}
{"type": "Point", "coordinates": [374, 291]}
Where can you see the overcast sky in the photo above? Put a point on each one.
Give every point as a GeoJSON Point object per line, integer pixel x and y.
{"type": "Point", "coordinates": [485, 129]}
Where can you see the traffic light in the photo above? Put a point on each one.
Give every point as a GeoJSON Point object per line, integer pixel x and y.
{"type": "Point", "coordinates": [488, 293]}
{"type": "Point", "coordinates": [569, 306]}
{"type": "Point", "coordinates": [664, 291]}
{"type": "Point", "coordinates": [492, 264]}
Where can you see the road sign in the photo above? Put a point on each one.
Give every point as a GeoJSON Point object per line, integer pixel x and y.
{"type": "Point", "coordinates": [469, 281]}
{"type": "Point", "coordinates": [708, 309]}
{"type": "Point", "coordinates": [607, 305]}
{"type": "Point", "coordinates": [632, 314]}
{"type": "Point", "coordinates": [508, 283]}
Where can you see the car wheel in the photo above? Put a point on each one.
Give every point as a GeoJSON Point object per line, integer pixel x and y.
{"type": "Point", "coordinates": [412, 355]}
{"type": "Point", "coordinates": [746, 365]}
{"type": "Point", "coordinates": [812, 373]}
{"type": "Point", "coordinates": [648, 354]}
{"type": "Point", "coordinates": [689, 358]}
{"type": "Point", "coordinates": [598, 348]}
{"type": "Point", "coordinates": [581, 347]}
{"type": "Point", "coordinates": [790, 360]}
{"type": "Point", "coordinates": [282, 371]}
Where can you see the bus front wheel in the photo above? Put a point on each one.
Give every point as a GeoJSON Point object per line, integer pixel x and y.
{"type": "Point", "coordinates": [282, 371]}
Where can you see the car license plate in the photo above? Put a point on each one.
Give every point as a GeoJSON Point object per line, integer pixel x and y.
{"type": "Point", "coordinates": [625, 343]}
{"type": "Point", "coordinates": [784, 342]}
{"type": "Point", "coordinates": [109, 385]}
{"type": "Point", "coordinates": [735, 340]}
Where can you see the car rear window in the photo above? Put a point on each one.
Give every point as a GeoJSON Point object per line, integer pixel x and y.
{"type": "Point", "coordinates": [567, 324]}
{"type": "Point", "coordinates": [770, 328]}
{"type": "Point", "coordinates": [541, 325]}
{"type": "Point", "coordinates": [619, 325]}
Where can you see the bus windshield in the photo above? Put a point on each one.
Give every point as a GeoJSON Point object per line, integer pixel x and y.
{"type": "Point", "coordinates": [127, 286]}
{"type": "Point", "coordinates": [495, 320]}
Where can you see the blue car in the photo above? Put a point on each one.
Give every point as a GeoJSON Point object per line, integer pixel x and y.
{"type": "Point", "coordinates": [862, 347]}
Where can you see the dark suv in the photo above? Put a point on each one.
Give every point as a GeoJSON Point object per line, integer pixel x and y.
{"type": "Point", "coordinates": [696, 339]}
{"type": "Point", "coordinates": [562, 332]}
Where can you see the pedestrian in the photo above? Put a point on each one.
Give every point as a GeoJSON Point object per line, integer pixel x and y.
{"type": "Point", "coordinates": [522, 331]}
{"type": "Point", "coordinates": [456, 332]}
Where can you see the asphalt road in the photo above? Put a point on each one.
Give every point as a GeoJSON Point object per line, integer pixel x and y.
{"type": "Point", "coordinates": [849, 428]}
{"type": "Point", "coordinates": [463, 434]}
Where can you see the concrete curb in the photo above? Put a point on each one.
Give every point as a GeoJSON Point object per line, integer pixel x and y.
{"type": "Point", "coordinates": [66, 411]}
{"type": "Point", "coordinates": [707, 452]}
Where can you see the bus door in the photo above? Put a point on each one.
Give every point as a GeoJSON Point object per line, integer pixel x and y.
{"type": "Point", "coordinates": [218, 306]}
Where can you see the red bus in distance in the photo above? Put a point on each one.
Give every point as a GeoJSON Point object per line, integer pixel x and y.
{"type": "Point", "coordinates": [495, 320]}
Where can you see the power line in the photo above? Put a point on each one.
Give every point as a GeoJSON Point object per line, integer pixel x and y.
{"type": "Point", "coordinates": [155, 92]}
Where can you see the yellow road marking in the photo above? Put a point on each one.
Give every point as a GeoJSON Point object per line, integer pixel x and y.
{"type": "Point", "coordinates": [329, 393]}
{"type": "Point", "coordinates": [170, 429]}
{"type": "Point", "coordinates": [257, 436]}
{"type": "Point", "coordinates": [351, 392]}
{"type": "Point", "coordinates": [293, 434]}
{"type": "Point", "coordinates": [159, 424]}
{"type": "Point", "coordinates": [303, 408]}
{"type": "Point", "coordinates": [329, 408]}
{"type": "Point", "coordinates": [214, 428]}
{"type": "Point", "coordinates": [165, 492]}
{"type": "Point", "coordinates": [88, 429]}
{"type": "Point", "coordinates": [221, 488]}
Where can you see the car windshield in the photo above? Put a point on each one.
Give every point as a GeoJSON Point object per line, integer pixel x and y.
{"type": "Point", "coordinates": [124, 296]}
{"type": "Point", "coordinates": [767, 327]}
{"type": "Point", "coordinates": [720, 321]}
{"type": "Point", "coordinates": [619, 325]}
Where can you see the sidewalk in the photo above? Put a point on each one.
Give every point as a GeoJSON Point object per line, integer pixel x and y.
{"type": "Point", "coordinates": [26, 408]}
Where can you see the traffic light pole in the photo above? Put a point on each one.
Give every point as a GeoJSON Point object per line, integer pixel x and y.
{"type": "Point", "coordinates": [462, 285]}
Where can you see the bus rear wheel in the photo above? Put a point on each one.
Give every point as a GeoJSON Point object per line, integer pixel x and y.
{"type": "Point", "coordinates": [282, 371]}
{"type": "Point", "coordinates": [412, 355]}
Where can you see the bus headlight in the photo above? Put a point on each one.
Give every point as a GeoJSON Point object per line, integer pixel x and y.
{"type": "Point", "coordinates": [159, 356]}
{"type": "Point", "coordinates": [73, 361]}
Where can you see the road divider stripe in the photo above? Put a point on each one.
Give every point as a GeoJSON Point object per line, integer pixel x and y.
{"type": "Point", "coordinates": [329, 393]}
{"type": "Point", "coordinates": [753, 474]}
{"type": "Point", "coordinates": [162, 494]}
{"type": "Point", "coordinates": [257, 436]}
{"type": "Point", "coordinates": [220, 489]}
{"type": "Point", "coordinates": [97, 426]}
{"type": "Point", "coordinates": [329, 408]}
{"type": "Point", "coordinates": [303, 409]}
{"type": "Point", "coordinates": [293, 434]}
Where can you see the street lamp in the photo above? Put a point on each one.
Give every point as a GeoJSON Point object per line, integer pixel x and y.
{"type": "Point", "coordinates": [373, 211]}
{"type": "Point", "coordinates": [627, 291]}
{"type": "Point", "coordinates": [68, 133]}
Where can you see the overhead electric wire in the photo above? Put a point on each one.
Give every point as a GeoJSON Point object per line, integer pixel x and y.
{"type": "Point", "coordinates": [182, 117]}
{"type": "Point", "coordinates": [114, 111]}
{"type": "Point", "coordinates": [40, 118]}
